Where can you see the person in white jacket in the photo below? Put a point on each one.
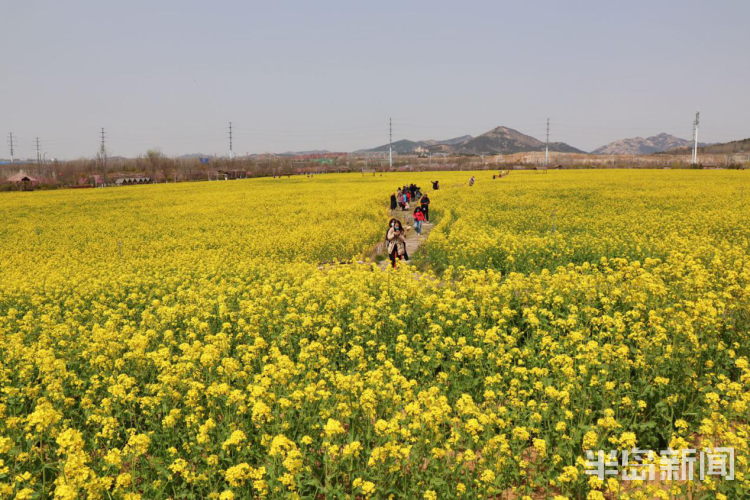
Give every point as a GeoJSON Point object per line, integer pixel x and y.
{"type": "Point", "coordinates": [396, 239]}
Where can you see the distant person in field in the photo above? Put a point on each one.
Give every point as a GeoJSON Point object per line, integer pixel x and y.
{"type": "Point", "coordinates": [435, 185]}
{"type": "Point", "coordinates": [424, 204]}
{"type": "Point", "coordinates": [394, 203]}
{"type": "Point", "coordinates": [418, 220]}
{"type": "Point", "coordinates": [471, 181]}
{"type": "Point", "coordinates": [396, 241]}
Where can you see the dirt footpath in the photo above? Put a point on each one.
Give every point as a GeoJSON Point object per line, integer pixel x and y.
{"type": "Point", "coordinates": [413, 240]}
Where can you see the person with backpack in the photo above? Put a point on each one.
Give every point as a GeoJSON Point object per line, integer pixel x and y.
{"type": "Point", "coordinates": [396, 239]}
{"type": "Point", "coordinates": [405, 200]}
{"type": "Point", "coordinates": [418, 220]}
{"type": "Point", "coordinates": [424, 202]}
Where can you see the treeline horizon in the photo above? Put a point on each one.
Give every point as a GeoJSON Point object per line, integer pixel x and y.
{"type": "Point", "coordinates": [104, 170]}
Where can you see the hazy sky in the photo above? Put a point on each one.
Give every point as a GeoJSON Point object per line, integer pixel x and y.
{"type": "Point", "coordinates": [328, 75]}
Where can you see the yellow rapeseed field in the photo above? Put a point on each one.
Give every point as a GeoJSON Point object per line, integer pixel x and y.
{"type": "Point", "coordinates": [182, 341]}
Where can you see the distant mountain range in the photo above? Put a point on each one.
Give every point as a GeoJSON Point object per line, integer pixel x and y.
{"type": "Point", "coordinates": [453, 142]}
{"type": "Point", "coordinates": [505, 140]}
{"type": "Point", "coordinates": [298, 153]}
{"type": "Point", "coordinates": [640, 146]}
{"type": "Point", "coordinates": [741, 146]}
{"type": "Point", "coordinates": [194, 156]}
{"type": "Point", "coordinates": [406, 146]}
{"type": "Point", "coordinates": [499, 140]}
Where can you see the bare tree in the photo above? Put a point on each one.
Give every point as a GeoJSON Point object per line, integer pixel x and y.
{"type": "Point", "coordinates": [154, 161]}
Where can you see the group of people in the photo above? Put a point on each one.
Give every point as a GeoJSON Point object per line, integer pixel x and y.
{"type": "Point", "coordinates": [396, 235]}
{"type": "Point", "coordinates": [404, 196]}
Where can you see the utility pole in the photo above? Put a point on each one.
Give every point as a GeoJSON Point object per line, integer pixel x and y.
{"type": "Point", "coordinates": [695, 137]}
{"type": "Point", "coordinates": [102, 155]}
{"type": "Point", "coordinates": [38, 155]}
{"type": "Point", "coordinates": [231, 151]}
{"type": "Point", "coordinates": [546, 149]}
{"type": "Point", "coordinates": [390, 143]}
{"type": "Point", "coordinates": [11, 143]}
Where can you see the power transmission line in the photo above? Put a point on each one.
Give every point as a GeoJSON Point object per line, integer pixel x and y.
{"type": "Point", "coordinates": [390, 142]}
{"type": "Point", "coordinates": [11, 143]}
{"type": "Point", "coordinates": [231, 151]}
{"type": "Point", "coordinates": [103, 149]}
{"type": "Point", "coordinates": [546, 149]}
{"type": "Point", "coordinates": [695, 137]}
{"type": "Point", "coordinates": [38, 153]}
{"type": "Point", "coordinates": [103, 156]}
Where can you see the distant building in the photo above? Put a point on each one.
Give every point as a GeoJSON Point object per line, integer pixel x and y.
{"type": "Point", "coordinates": [230, 175]}
{"type": "Point", "coordinates": [23, 181]}
{"type": "Point", "coordinates": [129, 181]}
{"type": "Point", "coordinates": [422, 152]}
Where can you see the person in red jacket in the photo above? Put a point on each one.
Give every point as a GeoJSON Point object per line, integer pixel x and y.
{"type": "Point", "coordinates": [418, 220]}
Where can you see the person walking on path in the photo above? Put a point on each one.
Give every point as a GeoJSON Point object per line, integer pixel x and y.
{"type": "Point", "coordinates": [471, 181]}
{"type": "Point", "coordinates": [425, 204]}
{"type": "Point", "coordinates": [418, 220]}
{"type": "Point", "coordinates": [396, 241]}
{"type": "Point", "coordinates": [405, 200]}
{"type": "Point", "coordinates": [394, 203]}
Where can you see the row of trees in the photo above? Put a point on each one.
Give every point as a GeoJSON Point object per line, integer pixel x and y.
{"type": "Point", "coordinates": [104, 170]}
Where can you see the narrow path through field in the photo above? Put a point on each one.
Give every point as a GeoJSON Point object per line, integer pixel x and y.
{"type": "Point", "coordinates": [379, 253]}
{"type": "Point", "coordinates": [413, 240]}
